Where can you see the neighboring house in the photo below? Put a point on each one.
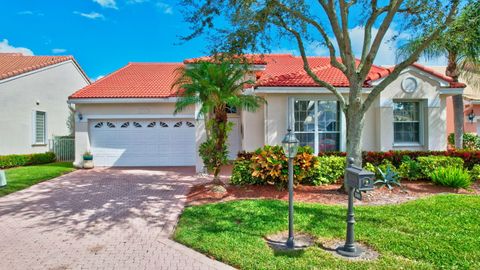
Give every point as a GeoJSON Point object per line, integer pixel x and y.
{"type": "Point", "coordinates": [33, 100]}
{"type": "Point", "coordinates": [471, 96]}
{"type": "Point", "coordinates": [126, 118]}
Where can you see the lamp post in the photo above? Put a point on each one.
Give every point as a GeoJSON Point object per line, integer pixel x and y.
{"type": "Point", "coordinates": [290, 147]}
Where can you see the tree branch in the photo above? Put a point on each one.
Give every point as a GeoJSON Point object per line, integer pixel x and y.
{"type": "Point", "coordinates": [333, 60]}
{"type": "Point", "coordinates": [368, 60]}
{"type": "Point", "coordinates": [306, 65]}
{"type": "Point", "coordinates": [407, 62]}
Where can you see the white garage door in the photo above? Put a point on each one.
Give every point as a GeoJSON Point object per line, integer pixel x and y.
{"type": "Point", "coordinates": [155, 142]}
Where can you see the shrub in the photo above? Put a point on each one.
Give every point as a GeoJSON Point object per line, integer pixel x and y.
{"type": "Point", "coordinates": [396, 157]}
{"type": "Point", "coordinates": [271, 165]}
{"type": "Point", "coordinates": [242, 173]}
{"type": "Point", "coordinates": [328, 170]}
{"type": "Point", "coordinates": [475, 172]}
{"type": "Point", "coordinates": [470, 141]}
{"type": "Point", "coordinates": [370, 167]}
{"type": "Point", "coordinates": [431, 163]}
{"type": "Point", "coordinates": [451, 176]}
{"type": "Point", "coordinates": [210, 156]}
{"type": "Point", "coordinates": [410, 169]}
{"type": "Point", "coordinates": [26, 160]}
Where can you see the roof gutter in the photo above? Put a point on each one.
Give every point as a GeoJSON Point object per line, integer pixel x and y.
{"type": "Point", "coordinates": [120, 100]}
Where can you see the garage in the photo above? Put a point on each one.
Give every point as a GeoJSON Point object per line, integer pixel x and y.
{"type": "Point", "coordinates": [143, 142]}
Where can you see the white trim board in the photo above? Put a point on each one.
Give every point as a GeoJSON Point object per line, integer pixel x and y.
{"type": "Point", "coordinates": [136, 116]}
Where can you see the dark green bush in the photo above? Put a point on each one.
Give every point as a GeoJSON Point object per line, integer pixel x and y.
{"type": "Point", "coordinates": [410, 169]}
{"type": "Point", "coordinates": [471, 141]}
{"type": "Point", "coordinates": [242, 173]}
{"type": "Point", "coordinates": [26, 160]}
{"type": "Point", "coordinates": [431, 163]}
{"type": "Point", "coordinates": [328, 170]}
{"type": "Point", "coordinates": [475, 172]}
{"type": "Point", "coordinates": [451, 177]}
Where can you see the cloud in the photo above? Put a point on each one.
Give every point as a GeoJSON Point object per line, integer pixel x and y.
{"type": "Point", "coordinates": [30, 12]}
{"type": "Point", "coordinates": [97, 78]}
{"type": "Point", "coordinates": [165, 8]}
{"type": "Point", "coordinates": [107, 3]}
{"type": "Point", "coordinates": [285, 51]}
{"type": "Point", "coordinates": [92, 15]}
{"type": "Point", "coordinates": [137, 1]}
{"type": "Point", "coordinates": [58, 50]}
{"type": "Point", "coordinates": [7, 48]}
{"type": "Point", "coordinates": [387, 51]}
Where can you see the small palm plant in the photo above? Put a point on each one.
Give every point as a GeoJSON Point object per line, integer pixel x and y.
{"type": "Point", "coordinates": [215, 86]}
{"type": "Point", "coordinates": [389, 178]}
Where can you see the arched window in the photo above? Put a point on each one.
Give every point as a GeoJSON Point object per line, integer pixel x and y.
{"type": "Point", "coordinates": [178, 124]}
{"type": "Point", "coordinates": [152, 124]}
{"type": "Point", "coordinates": [163, 124]}
{"type": "Point", "coordinates": [137, 125]}
{"type": "Point", "coordinates": [110, 125]}
{"type": "Point", "coordinates": [99, 125]}
{"type": "Point", "coordinates": [190, 124]}
{"type": "Point", "coordinates": [125, 125]}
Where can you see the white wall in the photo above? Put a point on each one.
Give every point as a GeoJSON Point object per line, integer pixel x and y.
{"type": "Point", "coordinates": [50, 87]}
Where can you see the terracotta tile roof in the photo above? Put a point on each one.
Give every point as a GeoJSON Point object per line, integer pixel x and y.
{"type": "Point", "coordinates": [254, 59]}
{"type": "Point", "coordinates": [13, 64]}
{"type": "Point", "coordinates": [287, 71]}
{"type": "Point", "coordinates": [154, 80]}
{"type": "Point", "coordinates": [135, 80]}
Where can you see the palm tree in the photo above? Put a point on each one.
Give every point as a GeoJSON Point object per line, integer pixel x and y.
{"type": "Point", "coordinates": [460, 43]}
{"type": "Point", "coordinates": [215, 86]}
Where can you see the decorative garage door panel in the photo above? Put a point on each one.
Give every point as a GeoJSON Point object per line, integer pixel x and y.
{"type": "Point", "coordinates": [158, 142]}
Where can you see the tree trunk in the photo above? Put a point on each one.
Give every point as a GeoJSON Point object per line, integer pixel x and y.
{"type": "Point", "coordinates": [355, 123]}
{"type": "Point", "coordinates": [458, 113]}
{"type": "Point", "coordinates": [221, 121]}
{"type": "Point", "coordinates": [458, 118]}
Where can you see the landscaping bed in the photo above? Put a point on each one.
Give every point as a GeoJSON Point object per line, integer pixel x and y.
{"type": "Point", "coordinates": [326, 194]}
{"type": "Point", "coordinates": [438, 232]}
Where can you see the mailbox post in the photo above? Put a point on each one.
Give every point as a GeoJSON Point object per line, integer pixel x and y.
{"type": "Point", "coordinates": [357, 180]}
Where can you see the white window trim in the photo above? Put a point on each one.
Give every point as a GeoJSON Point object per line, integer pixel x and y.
{"type": "Point", "coordinates": [421, 122]}
{"type": "Point", "coordinates": [34, 129]}
{"type": "Point", "coordinates": [341, 121]}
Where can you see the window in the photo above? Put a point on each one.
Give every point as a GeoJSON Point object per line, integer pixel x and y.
{"type": "Point", "coordinates": [178, 124]}
{"type": "Point", "coordinates": [125, 125]}
{"type": "Point", "coordinates": [163, 124]}
{"type": "Point", "coordinates": [137, 125]}
{"type": "Point", "coordinates": [190, 124]}
{"type": "Point", "coordinates": [152, 124]}
{"type": "Point", "coordinates": [40, 128]}
{"type": "Point", "coordinates": [99, 125]}
{"type": "Point", "coordinates": [316, 124]}
{"type": "Point", "coordinates": [406, 122]}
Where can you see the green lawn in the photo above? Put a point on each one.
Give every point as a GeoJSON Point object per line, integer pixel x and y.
{"type": "Point", "coordinates": [23, 177]}
{"type": "Point", "coordinates": [439, 232]}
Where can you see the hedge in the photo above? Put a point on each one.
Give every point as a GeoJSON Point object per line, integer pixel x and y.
{"type": "Point", "coordinates": [470, 158]}
{"type": "Point", "coordinates": [10, 161]}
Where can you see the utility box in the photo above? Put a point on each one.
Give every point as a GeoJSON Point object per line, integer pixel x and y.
{"type": "Point", "coordinates": [3, 179]}
{"type": "Point", "coordinates": [359, 179]}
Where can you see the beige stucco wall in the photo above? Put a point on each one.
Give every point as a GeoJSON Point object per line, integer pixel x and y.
{"type": "Point", "coordinates": [434, 113]}
{"type": "Point", "coordinates": [50, 87]}
{"type": "Point", "coordinates": [123, 111]}
{"type": "Point", "coordinates": [378, 129]}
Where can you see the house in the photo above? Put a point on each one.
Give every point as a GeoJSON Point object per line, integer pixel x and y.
{"type": "Point", "coordinates": [471, 97]}
{"type": "Point", "coordinates": [126, 118]}
{"type": "Point", "coordinates": [33, 100]}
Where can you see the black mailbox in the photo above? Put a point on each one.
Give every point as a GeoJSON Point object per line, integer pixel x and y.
{"type": "Point", "coordinates": [359, 179]}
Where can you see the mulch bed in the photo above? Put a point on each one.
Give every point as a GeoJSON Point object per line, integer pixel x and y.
{"type": "Point", "coordinates": [329, 194]}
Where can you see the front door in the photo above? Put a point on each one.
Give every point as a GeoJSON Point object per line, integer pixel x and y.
{"type": "Point", "coordinates": [234, 141]}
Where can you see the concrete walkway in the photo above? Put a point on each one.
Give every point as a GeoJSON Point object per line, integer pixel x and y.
{"type": "Point", "coordinates": [99, 219]}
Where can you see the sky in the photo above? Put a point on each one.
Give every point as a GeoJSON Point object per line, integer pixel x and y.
{"type": "Point", "coordinates": [104, 35]}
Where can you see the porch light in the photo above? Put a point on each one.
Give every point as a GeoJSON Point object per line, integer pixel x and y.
{"type": "Point", "coordinates": [471, 116]}
{"type": "Point", "coordinates": [290, 144]}
{"type": "Point", "coordinates": [80, 116]}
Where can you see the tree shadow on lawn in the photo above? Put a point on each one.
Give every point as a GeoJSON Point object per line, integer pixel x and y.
{"type": "Point", "coordinates": [93, 202]}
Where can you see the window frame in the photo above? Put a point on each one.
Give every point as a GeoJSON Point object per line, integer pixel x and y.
{"type": "Point", "coordinates": [35, 128]}
{"type": "Point", "coordinates": [316, 132]}
{"type": "Point", "coordinates": [421, 123]}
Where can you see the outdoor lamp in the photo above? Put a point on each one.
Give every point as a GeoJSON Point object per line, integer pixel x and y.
{"type": "Point", "coordinates": [471, 116]}
{"type": "Point", "coordinates": [290, 147]}
{"type": "Point", "coordinates": [290, 144]}
{"type": "Point", "coordinates": [80, 116]}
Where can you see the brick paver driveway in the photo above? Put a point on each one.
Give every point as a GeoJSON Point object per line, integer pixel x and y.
{"type": "Point", "coordinates": [99, 219]}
